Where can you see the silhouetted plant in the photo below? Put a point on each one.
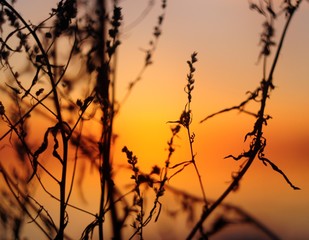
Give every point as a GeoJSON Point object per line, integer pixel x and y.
{"type": "Point", "coordinates": [92, 37]}
{"type": "Point", "coordinates": [259, 95]}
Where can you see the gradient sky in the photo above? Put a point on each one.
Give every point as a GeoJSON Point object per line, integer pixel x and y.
{"type": "Point", "coordinates": [225, 34]}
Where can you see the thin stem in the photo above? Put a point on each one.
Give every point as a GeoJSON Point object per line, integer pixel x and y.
{"type": "Point", "coordinates": [259, 135]}
{"type": "Point", "coordinates": [107, 107]}
{"type": "Point", "coordinates": [272, 70]}
{"type": "Point", "coordinates": [62, 219]}
{"type": "Point", "coordinates": [195, 166]}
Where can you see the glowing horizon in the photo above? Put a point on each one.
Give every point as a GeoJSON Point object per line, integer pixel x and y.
{"type": "Point", "coordinates": [226, 37]}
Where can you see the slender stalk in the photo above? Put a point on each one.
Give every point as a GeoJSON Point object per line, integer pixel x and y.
{"type": "Point", "coordinates": [101, 53]}
{"type": "Point", "coordinates": [62, 219]}
{"type": "Point", "coordinates": [267, 85]}
{"type": "Point", "coordinates": [107, 107]}
{"type": "Point", "coordinates": [196, 168]}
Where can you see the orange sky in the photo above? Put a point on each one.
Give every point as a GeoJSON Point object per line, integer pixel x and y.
{"type": "Point", "coordinates": [226, 35]}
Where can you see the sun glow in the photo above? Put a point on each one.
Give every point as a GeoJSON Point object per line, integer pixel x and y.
{"type": "Point", "coordinates": [226, 36]}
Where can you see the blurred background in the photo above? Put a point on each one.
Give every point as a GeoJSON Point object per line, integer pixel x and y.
{"type": "Point", "coordinates": [226, 35]}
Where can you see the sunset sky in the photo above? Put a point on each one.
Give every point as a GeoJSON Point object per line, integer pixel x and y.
{"type": "Point", "coordinates": [226, 36]}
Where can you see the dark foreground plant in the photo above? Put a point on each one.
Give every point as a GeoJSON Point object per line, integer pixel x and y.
{"type": "Point", "coordinates": [259, 95]}
{"type": "Point", "coordinates": [91, 34]}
